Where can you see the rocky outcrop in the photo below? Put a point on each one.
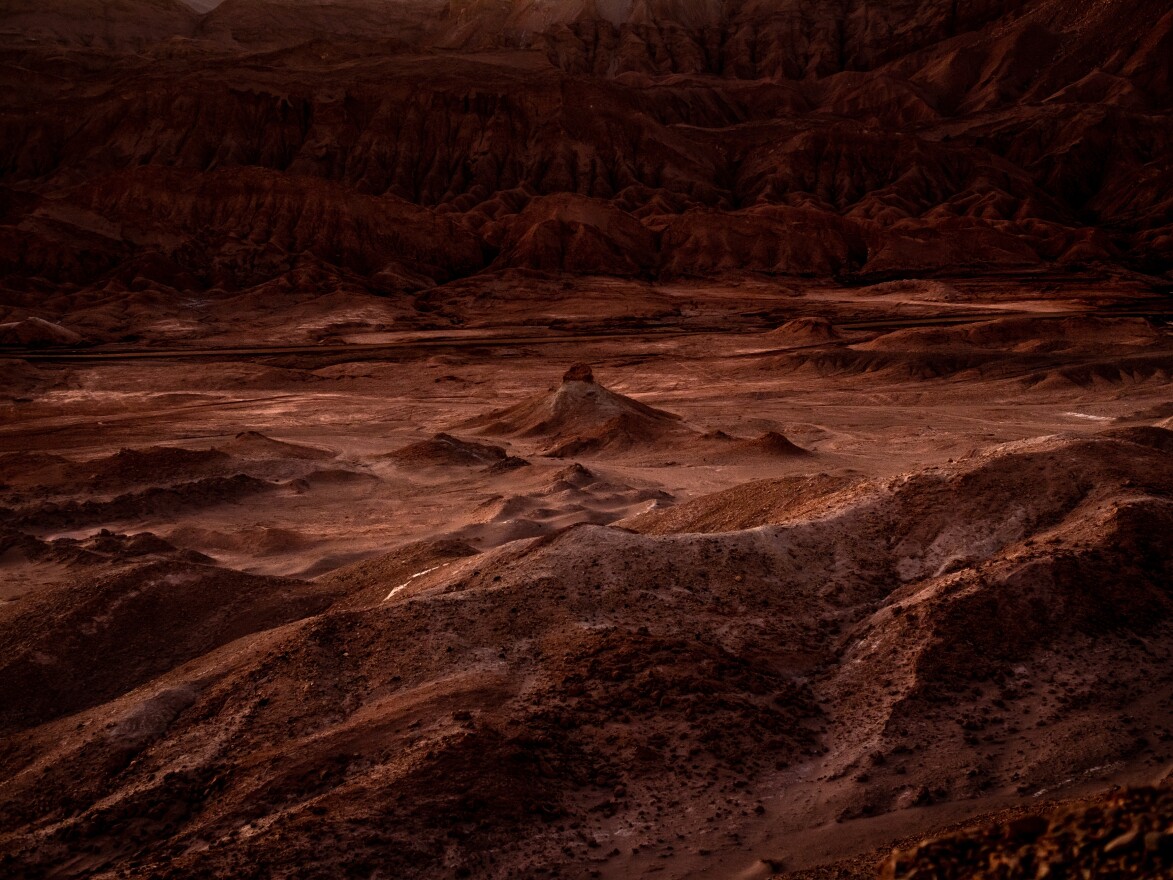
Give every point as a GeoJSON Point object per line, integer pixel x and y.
{"type": "Point", "coordinates": [1126, 836]}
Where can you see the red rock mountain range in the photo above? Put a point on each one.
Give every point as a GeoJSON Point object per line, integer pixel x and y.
{"type": "Point", "coordinates": [388, 147]}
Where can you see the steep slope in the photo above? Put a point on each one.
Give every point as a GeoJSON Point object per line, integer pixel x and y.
{"type": "Point", "coordinates": [615, 690]}
{"type": "Point", "coordinates": [237, 229]}
{"type": "Point", "coordinates": [136, 624]}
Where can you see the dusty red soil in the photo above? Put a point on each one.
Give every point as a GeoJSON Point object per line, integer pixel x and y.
{"type": "Point", "coordinates": [585, 440]}
{"type": "Point", "coordinates": [358, 637]}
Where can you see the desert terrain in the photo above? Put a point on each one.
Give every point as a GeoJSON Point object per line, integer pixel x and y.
{"type": "Point", "coordinates": [664, 439]}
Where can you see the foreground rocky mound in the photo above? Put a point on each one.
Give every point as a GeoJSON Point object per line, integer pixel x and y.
{"type": "Point", "coordinates": [1128, 836]}
{"type": "Point", "coordinates": [598, 699]}
{"type": "Point", "coordinates": [583, 417]}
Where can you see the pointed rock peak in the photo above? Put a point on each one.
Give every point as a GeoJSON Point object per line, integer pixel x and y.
{"type": "Point", "coordinates": [579, 373]}
{"type": "Point", "coordinates": [774, 443]}
{"type": "Point", "coordinates": [575, 475]}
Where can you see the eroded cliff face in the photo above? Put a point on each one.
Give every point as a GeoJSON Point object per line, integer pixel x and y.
{"type": "Point", "coordinates": [407, 144]}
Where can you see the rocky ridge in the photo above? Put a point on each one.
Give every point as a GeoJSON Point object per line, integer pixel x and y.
{"type": "Point", "coordinates": [656, 141]}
